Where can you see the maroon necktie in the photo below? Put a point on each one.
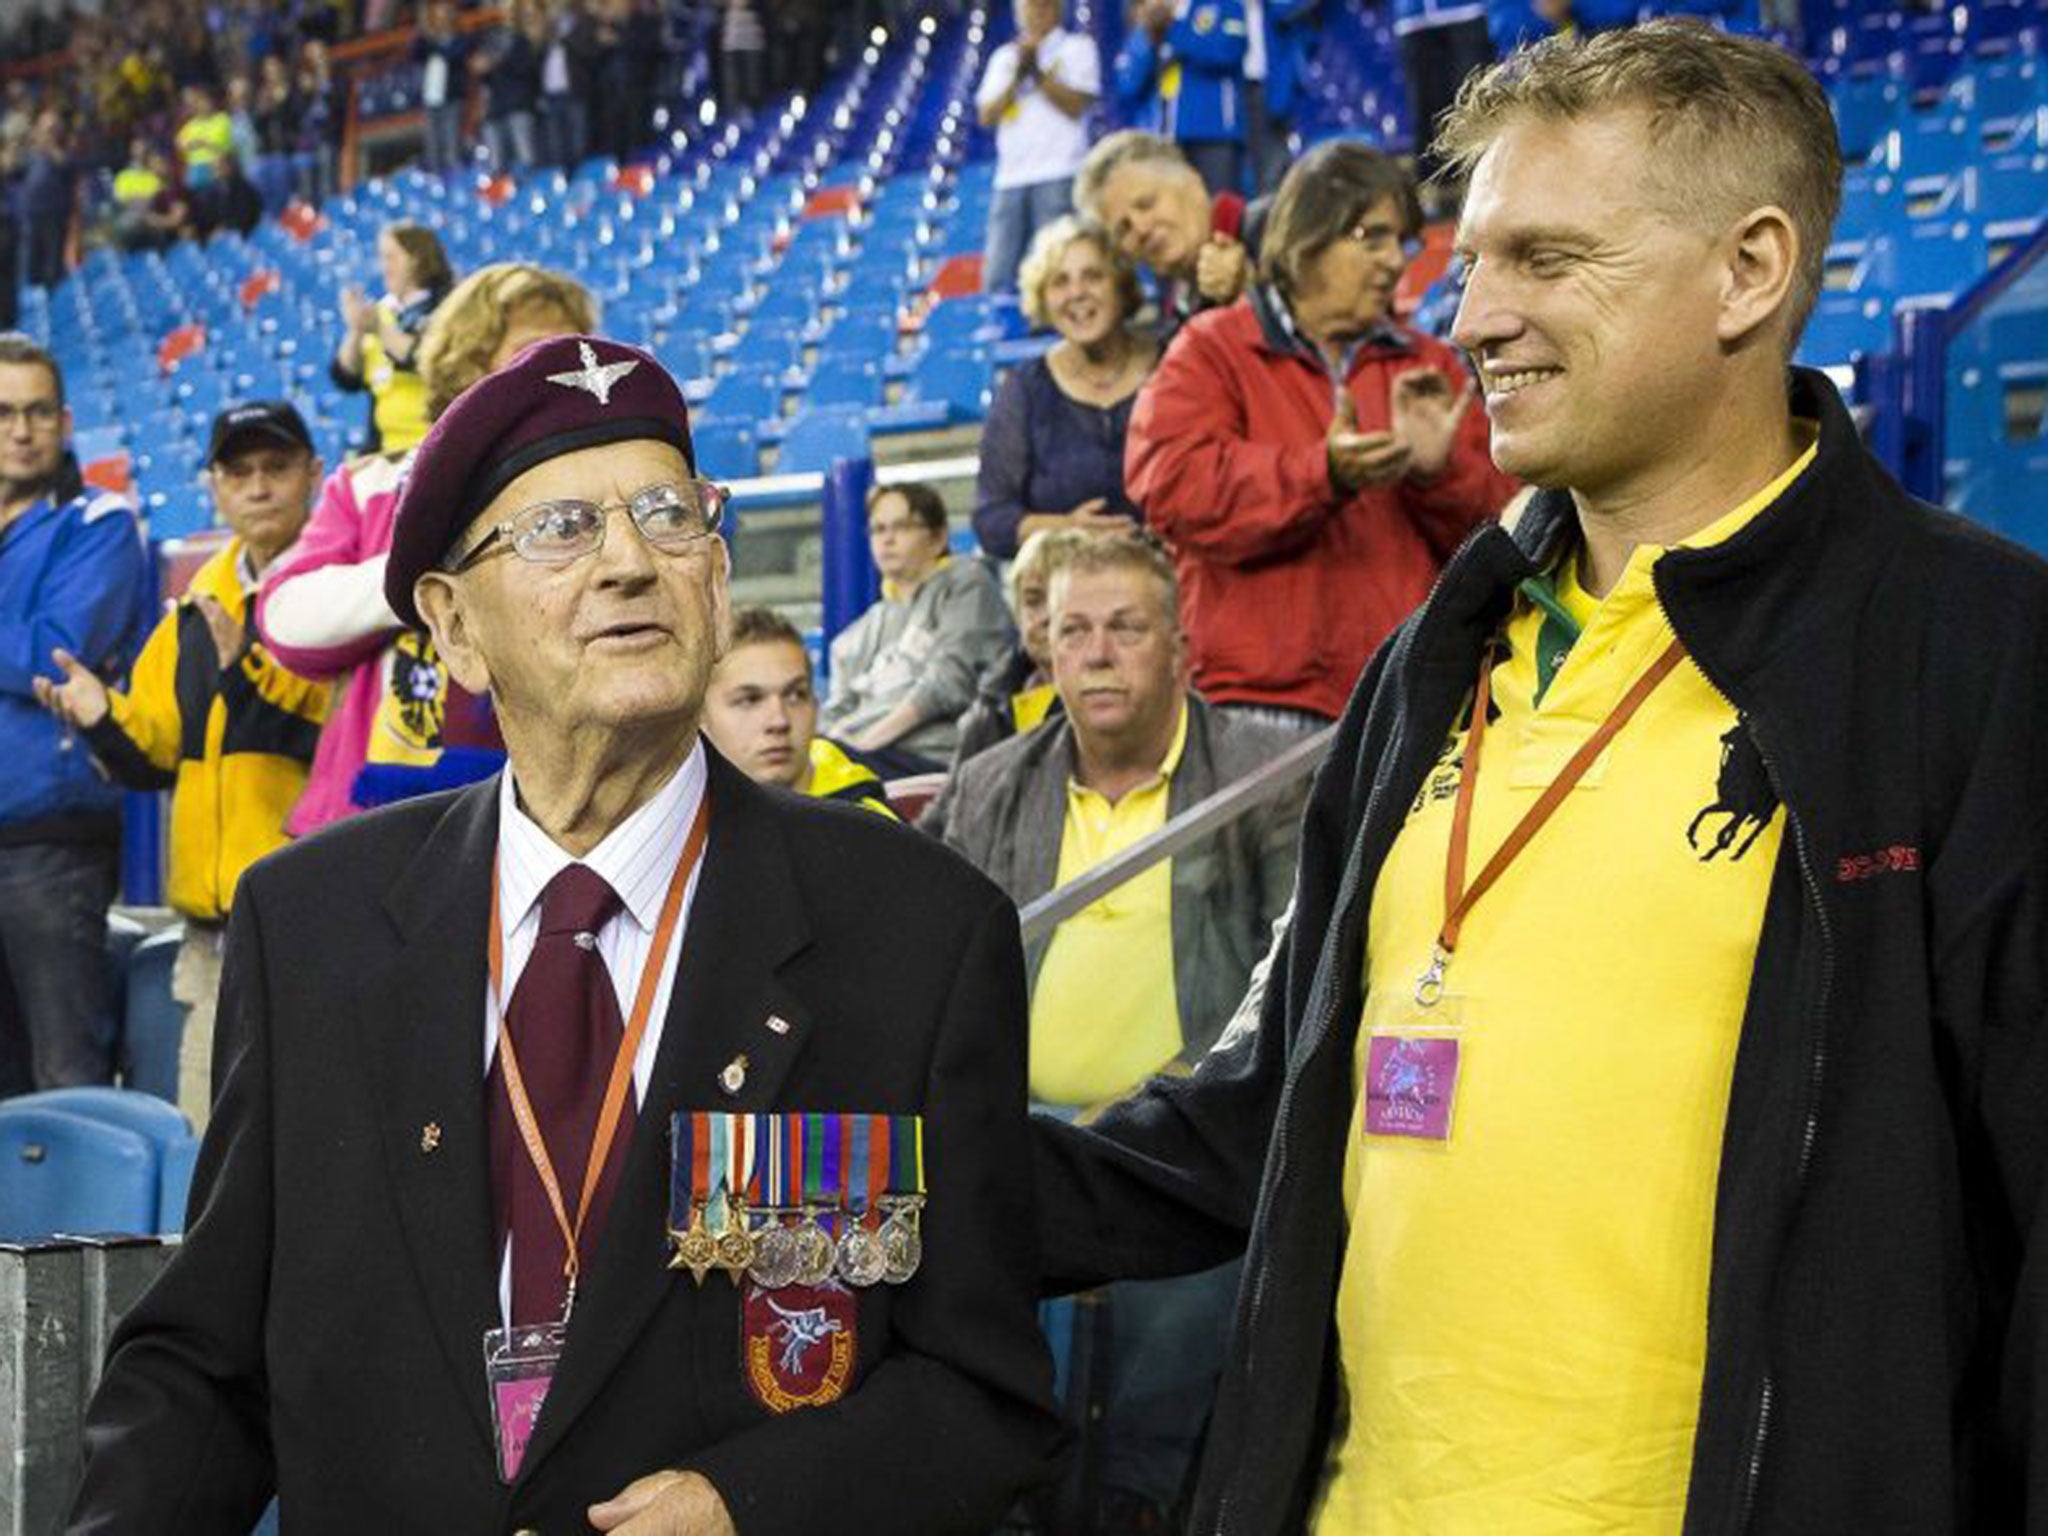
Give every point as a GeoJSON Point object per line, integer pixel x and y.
{"type": "Point", "coordinates": [564, 1023]}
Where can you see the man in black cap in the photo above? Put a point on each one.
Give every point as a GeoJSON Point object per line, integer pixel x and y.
{"type": "Point", "coordinates": [579, 1129]}
{"type": "Point", "coordinates": [209, 713]}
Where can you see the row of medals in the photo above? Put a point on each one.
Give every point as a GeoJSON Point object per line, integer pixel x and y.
{"type": "Point", "coordinates": [801, 1252]}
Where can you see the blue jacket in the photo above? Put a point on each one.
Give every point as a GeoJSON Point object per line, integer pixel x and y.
{"type": "Point", "coordinates": [1289, 24]}
{"type": "Point", "coordinates": [1514, 22]}
{"type": "Point", "coordinates": [1189, 87]}
{"type": "Point", "coordinates": [1417, 15]}
{"type": "Point", "coordinates": [76, 576]}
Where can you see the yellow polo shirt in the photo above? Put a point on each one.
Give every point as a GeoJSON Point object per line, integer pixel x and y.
{"type": "Point", "coordinates": [1105, 1014]}
{"type": "Point", "coordinates": [1522, 1309]}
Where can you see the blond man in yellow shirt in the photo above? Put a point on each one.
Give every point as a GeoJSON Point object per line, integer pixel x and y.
{"type": "Point", "coordinates": [1646, 1129]}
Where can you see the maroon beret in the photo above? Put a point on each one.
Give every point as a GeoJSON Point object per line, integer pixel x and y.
{"type": "Point", "coordinates": [557, 396]}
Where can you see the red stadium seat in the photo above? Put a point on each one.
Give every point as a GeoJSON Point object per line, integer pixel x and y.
{"type": "Point", "coordinates": [112, 473]}
{"type": "Point", "coordinates": [180, 344]}
{"type": "Point", "coordinates": [958, 276]}
{"type": "Point", "coordinates": [831, 203]}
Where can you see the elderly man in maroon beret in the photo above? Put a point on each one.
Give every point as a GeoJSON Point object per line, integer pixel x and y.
{"type": "Point", "coordinates": [613, 1145]}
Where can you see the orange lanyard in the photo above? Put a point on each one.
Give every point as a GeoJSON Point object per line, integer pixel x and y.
{"type": "Point", "coordinates": [1459, 899]}
{"type": "Point", "coordinates": [622, 1065]}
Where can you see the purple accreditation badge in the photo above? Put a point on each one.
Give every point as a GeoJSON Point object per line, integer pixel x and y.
{"type": "Point", "coordinates": [517, 1405]}
{"type": "Point", "coordinates": [1409, 1084]}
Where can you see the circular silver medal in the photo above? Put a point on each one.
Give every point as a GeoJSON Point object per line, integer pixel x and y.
{"type": "Point", "coordinates": [902, 1247]}
{"type": "Point", "coordinates": [775, 1257]}
{"type": "Point", "coordinates": [815, 1254]}
{"type": "Point", "coordinates": [861, 1260]}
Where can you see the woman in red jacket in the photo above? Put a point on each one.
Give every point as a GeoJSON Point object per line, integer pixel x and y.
{"type": "Point", "coordinates": [1311, 461]}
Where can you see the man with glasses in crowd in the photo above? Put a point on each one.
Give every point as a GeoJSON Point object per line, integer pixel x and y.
{"type": "Point", "coordinates": [502, 1221]}
{"type": "Point", "coordinates": [74, 576]}
{"type": "Point", "coordinates": [1312, 461]}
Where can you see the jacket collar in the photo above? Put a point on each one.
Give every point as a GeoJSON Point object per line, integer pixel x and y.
{"type": "Point", "coordinates": [1279, 334]}
{"type": "Point", "coordinates": [1783, 588]}
{"type": "Point", "coordinates": [420, 1019]}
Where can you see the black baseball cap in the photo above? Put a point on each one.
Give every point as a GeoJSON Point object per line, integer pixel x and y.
{"type": "Point", "coordinates": [271, 421]}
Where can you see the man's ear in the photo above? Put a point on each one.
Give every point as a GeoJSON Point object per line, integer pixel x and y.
{"type": "Point", "coordinates": [1762, 266]}
{"type": "Point", "coordinates": [438, 596]}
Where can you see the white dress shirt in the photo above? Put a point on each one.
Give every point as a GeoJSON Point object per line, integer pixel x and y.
{"type": "Point", "coordinates": [637, 859]}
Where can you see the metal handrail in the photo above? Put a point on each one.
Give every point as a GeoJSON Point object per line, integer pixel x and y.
{"type": "Point", "coordinates": [1198, 821]}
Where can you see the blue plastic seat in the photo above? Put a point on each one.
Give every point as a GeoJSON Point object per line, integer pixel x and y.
{"type": "Point", "coordinates": [153, 1023]}
{"type": "Point", "coordinates": [154, 1119]}
{"type": "Point", "coordinates": [174, 1184]}
{"type": "Point", "coordinates": [747, 396]}
{"type": "Point", "coordinates": [962, 381]}
{"type": "Point", "coordinates": [61, 1172]}
{"type": "Point", "coordinates": [820, 437]}
{"type": "Point", "coordinates": [1928, 262]}
{"type": "Point", "coordinates": [726, 447]}
{"type": "Point", "coordinates": [841, 381]}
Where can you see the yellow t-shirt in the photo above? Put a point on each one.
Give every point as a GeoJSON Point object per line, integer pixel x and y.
{"type": "Point", "coordinates": [1522, 1310]}
{"type": "Point", "coordinates": [1105, 1014]}
{"type": "Point", "coordinates": [398, 395]}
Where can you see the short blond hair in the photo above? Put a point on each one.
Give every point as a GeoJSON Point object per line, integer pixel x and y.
{"type": "Point", "coordinates": [470, 324]}
{"type": "Point", "coordinates": [1045, 552]}
{"type": "Point", "coordinates": [1138, 550]}
{"type": "Point", "coordinates": [1049, 248]}
{"type": "Point", "coordinates": [1735, 124]}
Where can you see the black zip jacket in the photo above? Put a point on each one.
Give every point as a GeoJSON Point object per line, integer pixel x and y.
{"type": "Point", "coordinates": [1875, 1341]}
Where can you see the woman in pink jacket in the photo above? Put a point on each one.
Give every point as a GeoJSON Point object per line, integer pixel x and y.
{"type": "Point", "coordinates": [322, 610]}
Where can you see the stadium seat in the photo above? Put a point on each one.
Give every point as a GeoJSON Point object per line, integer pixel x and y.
{"type": "Point", "coordinates": [726, 447]}
{"type": "Point", "coordinates": [820, 437]}
{"type": "Point", "coordinates": [1843, 327]}
{"type": "Point", "coordinates": [153, 1023]}
{"type": "Point", "coordinates": [845, 381]}
{"type": "Point", "coordinates": [749, 396]}
{"type": "Point", "coordinates": [174, 1184]}
{"type": "Point", "coordinates": [963, 381]}
{"type": "Point", "coordinates": [66, 1173]}
{"type": "Point", "coordinates": [154, 1119]}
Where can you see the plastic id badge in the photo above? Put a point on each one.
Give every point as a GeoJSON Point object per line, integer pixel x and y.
{"type": "Point", "coordinates": [1408, 1070]}
{"type": "Point", "coordinates": [520, 1365]}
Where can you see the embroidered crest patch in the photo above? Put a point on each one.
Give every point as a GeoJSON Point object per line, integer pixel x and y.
{"type": "Point", "coordinates": [798, 1344]}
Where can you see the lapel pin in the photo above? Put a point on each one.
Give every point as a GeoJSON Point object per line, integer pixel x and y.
{"type": "Point", "coordinates": [734, 1077]}
{"type": "Point", "coordinates": [430, 1136]}
{"type": "Point", "coordinates": [777, 1024]}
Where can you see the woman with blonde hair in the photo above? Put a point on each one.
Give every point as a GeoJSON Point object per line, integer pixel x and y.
{"type": "Point", "coordinates": [1052, 453]}
{"type": "Point", "coordinates": [322, 609]}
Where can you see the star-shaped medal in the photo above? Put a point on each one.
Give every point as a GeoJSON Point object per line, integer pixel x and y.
{"type": "Point", "coordinates": [595, 378]}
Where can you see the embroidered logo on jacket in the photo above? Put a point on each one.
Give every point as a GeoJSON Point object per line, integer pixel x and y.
{"type": "Point", "coordinates": [1743, 799]}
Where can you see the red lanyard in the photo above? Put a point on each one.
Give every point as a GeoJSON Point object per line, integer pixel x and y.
{"type": "Point", "coordinates": [1460, 899]}
{"type": "Point", "coordinates": [622, 1065]}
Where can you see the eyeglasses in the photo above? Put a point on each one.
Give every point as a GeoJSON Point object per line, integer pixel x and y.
{"type": "Point", "coordinates": [42, 414]}
{"type": "Point", "coordinates": [1385, 240]}
{"type": "Point", "coordinates": [669, 517]}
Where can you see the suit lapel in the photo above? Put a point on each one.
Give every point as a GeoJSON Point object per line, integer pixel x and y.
{"type": "Point", "coordinates": [745, 921]}
{"type": "Point", "coordinates": [421, 1021]}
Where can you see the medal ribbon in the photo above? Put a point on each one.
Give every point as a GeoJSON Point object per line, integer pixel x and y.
{"type": "Point", "coordinates": [682, 1138]}
{"type": "Point", "coordinates": [1460, 899]}
{"type": "Point", "coordinates": [622, 1064]}
{"type": "Point", "coordinates": [877, 1164]}
{"type": "Point", "coordinates": [721, 1156]}
{"type": "Point", "coordinates": [830, 1174]}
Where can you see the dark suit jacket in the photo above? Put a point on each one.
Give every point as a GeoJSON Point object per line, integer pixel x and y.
{"type": "Point", "coordinates": [322, 1329]}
